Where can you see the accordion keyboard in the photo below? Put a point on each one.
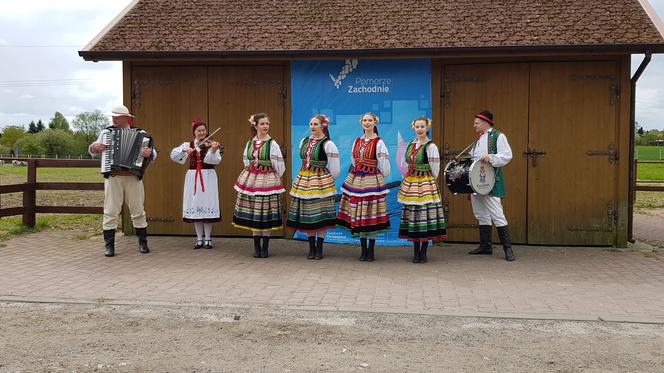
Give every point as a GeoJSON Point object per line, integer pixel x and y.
{"type": "Point", "coordinates": [106, 157]}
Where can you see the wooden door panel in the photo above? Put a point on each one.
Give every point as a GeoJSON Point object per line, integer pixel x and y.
{"type": "Point", "coordinates": [235, 93]}
{"type": "Point", "coordinates": [503, 90]}
{"type": "Point", "coordinates": [573, 111]}
{"type": "Point", "coordinates": [165, 101]}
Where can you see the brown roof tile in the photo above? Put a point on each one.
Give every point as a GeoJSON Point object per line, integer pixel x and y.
{"type": "Point", "coordinates": [278, 26]}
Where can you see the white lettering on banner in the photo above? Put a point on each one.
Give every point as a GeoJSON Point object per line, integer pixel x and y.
{"type": "Point", "coordinates": [370, 85]}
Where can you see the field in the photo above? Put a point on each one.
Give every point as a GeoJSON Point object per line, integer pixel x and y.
{"type": "Point", "coordinates": [649, 152]}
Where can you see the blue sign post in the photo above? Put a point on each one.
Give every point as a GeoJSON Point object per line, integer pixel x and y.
{"type": "Point", "coordinates": [398, 91]}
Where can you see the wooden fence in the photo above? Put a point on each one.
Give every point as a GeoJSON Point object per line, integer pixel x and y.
{"type": "Point", "coordinates": [31, 186]}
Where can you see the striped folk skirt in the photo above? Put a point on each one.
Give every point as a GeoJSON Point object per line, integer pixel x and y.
{"type": "Point", "coordinates": [422, 218]}
{"type": "Point", "coordinates": [258, 204]}
{"type": "Point", "coordinates": [312, 208]}
{"type": "Point", "coordinates": [363, 206]}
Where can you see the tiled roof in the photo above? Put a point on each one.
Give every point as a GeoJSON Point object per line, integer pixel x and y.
{"type": "Point", "coordinates": [300, 26]}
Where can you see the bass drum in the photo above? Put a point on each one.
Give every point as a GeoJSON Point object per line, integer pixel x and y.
{"type": "Point", "coordinates": [468, 176]}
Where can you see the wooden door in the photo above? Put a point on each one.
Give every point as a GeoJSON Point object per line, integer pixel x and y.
{"type": "Point", "coordinates": [235, 93]}
{"type": "Point", "coordinates": [503, 90]}
{"type": "Point", "coordinates": [572, 188]}
{"type": "Point", "coordinates": [165, 100]}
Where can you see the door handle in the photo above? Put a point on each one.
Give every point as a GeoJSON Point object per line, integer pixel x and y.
{"type": "Point", "coordinates": [533, 154]}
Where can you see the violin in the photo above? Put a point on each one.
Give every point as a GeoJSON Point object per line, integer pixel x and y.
{"type": "Point", "coordinates": [208, 141]}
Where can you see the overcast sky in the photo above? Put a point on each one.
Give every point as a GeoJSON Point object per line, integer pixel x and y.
{"type": "Point", "coordinates": [41, 72]}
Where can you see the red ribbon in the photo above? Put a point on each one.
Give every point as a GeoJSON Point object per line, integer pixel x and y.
{"type": "Point", "coordinates": [199, 173]}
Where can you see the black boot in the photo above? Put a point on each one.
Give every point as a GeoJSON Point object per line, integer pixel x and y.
{"type": "Point", "coordinates": [142, 234]}
{"type": "Point", "coordinates": [504, 234]}
{"type": "Point", "coordinates": [370, 250]}
{"type": "Point", "coordinates": [312, 247]}
{"type": "Point", "coordinates": [485, 247]}
{"type": "Point", "coordinates": [363, 255]}
{"type": "Point", "coordinates": [257, 246]}
{"type": "Point", "coordinates": [423, 252]}
{"type": "Point", "coordinates": [266, 244]}
{"type": "Point", "coordinates": [416, 252]}
{"type": "Point", "coordinates": [319, 248]}
{"type": "Point", "coordinates": [109, 239]}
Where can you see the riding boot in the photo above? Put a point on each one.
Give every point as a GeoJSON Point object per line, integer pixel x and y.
{"type": "Point", "coordinates": [319, 248]}
{"type": "Point", "coordinates": [370, 250]}
{"type": "Point", "coordinates": [257, 246]}
{"type": "Point", "coordinates": [363, 255]}
{"type": "Point", "coordinates": [312, 247]}
{"type": "Point", "coordinates": [504, 234]}
{"type": "Point", "coordinates": [423, 252]}
{"type": "Point", "coordinates": [416, 252]}
{"type": "Point", "coordinates": [266, 244]}
{"type": "Point", "coordinates": [142, 234]}
{"type": "Point", "coordinates": [109, 240]}
{"type": "Point", "coordinates": [485, 247]}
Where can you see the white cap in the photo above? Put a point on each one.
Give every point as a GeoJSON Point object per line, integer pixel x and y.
{"type": "Point", "coordinates": [121, 111]}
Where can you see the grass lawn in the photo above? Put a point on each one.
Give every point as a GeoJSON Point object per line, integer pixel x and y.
{"type": "Point", "coordinates": [650, 171]}
{"type": "Point", "coordinates": [649, 152]}
{"type": "Point", "coordinates": [14, 175]}
{"type": "Point", "coordinates": [90, 224]}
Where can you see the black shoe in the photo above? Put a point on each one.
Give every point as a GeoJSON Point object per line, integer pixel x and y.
{"type": "Point", "coordinates": [416, 252]}
{"type": "Point", "coordinates": [363, 254]}
{"type": "Point", "coordinates": [423, 252]}
{"type": "Point", "coordinates": [208, 244]}
{"type": "Point", "coordinates": [319, 248]}
{"type": "Point", "coordinates": [504, 234]}
{"type": "Point", "coordinates": [109, 240]}
{"type": "Point", "coordinates": [257, 246]}
{"type": "Point", "coordinates": [485, 247]}
{"type": "Point", "coordinates": [312, 247]}
{"type": "Point", "coordinates": [199, 245]}
{"type": "Point", "coordinates": [266, 244]}
{"type": "Point", "coordinates": [142, 234]}
{"type": "Point", "coordinates": [370, 251]}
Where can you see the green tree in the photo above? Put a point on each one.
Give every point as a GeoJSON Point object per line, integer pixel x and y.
{"type": "Point", "coordinates": [58, 122]}
{"type": "Point", "coordinates": [56, 142]}
{"type": "Point", "coordinates": [10, 135]}
{"type": "Point", "coordinates": [40, 126]}
{"type": "Point", "coordinates": [30, 145]}
{"type": "Point", "coordinates": [32, 127]}
{"type": "Point", "coordinates": [80, 144]}
{"type": "Point", "coordinates": [90, 124]}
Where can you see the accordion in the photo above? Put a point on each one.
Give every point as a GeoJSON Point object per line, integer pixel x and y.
{"type": "Point", "coordinates": [123, 147]}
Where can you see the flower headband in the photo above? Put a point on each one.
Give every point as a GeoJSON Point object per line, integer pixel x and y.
{"type": "Point", "coordinates": [427, 120]}
{"type": "Point", "coordinates": [324, 121]}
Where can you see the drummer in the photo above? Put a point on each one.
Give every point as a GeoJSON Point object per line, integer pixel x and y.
{"type": "Point", "coordinates": [492, 147]}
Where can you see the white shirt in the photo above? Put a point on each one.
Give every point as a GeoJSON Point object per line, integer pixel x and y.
{"type": "Point", "coordinates": [503, 151]}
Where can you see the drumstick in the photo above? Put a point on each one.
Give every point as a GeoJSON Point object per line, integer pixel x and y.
{"type": "Point", "coordinates": [463, 151]}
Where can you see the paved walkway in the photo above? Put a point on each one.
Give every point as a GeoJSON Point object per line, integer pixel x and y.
{"type": "Point", "coordinates": [544, 282]}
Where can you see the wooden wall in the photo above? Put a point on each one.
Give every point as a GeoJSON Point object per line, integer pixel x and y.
{"type": "Point", "coordinates": [573, 108]}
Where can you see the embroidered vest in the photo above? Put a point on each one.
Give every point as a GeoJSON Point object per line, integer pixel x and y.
{"type": "Point", "coordinates": [263, 161]}
{"type": "Point", "coordinates": [317, 156]}
{"type": "Point", "coordinates": [499, 187]}
{"type": "Point", "coordinates": [364, 153]}
{"type": "Point", "coordinates": [195, 156]}
{"type": "Point", "coordinates": [418, 162]}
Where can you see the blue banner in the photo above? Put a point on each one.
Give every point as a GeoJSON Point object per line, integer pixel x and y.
{"type": "Point", "coordinates": [398, 91]}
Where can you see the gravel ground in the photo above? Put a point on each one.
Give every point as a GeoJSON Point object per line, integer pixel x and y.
{"type": "Point", "coordinates": [128, 338]}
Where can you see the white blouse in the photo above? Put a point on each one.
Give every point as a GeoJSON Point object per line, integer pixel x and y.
{"type": "Point", "coordinates": [383, 157]}
{"type": "Point", "coordinates": [432, 156]}
{"type": "Point", "coordinates": [179, 154]}
{"type": "Point", "coordinates": [276, 157]}
{"type": "Point", "coordinates": [332, 153]}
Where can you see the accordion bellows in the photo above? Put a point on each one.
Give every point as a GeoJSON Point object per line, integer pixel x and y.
{"type": "Point", "coordinates": [123, 148]}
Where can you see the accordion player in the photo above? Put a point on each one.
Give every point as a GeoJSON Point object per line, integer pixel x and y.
{"type": "Point", "coordinates": [123, 147]}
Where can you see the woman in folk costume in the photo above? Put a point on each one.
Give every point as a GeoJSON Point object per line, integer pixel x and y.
{"type": "Point", "coordinates": [363, 207]}
{"type": "Point", "coordinates": [422, 217]}
{"type": "Point", "coordinates": [258, 205]}
{"type": "Point", "coordinates": [200, 200]}
{"type": "Point", "coordinates": [312, 209]}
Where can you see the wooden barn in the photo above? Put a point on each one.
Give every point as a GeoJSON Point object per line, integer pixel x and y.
{"type": "Point", "coordinates": [557, 75]}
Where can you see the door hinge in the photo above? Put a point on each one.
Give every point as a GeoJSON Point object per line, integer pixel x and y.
{"type": "Point", "coordinates": [614, 94]}
{"type": "Point", "coordinates": [612, 153]}
{"type": "Point", "coordinates": [611, 222]}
